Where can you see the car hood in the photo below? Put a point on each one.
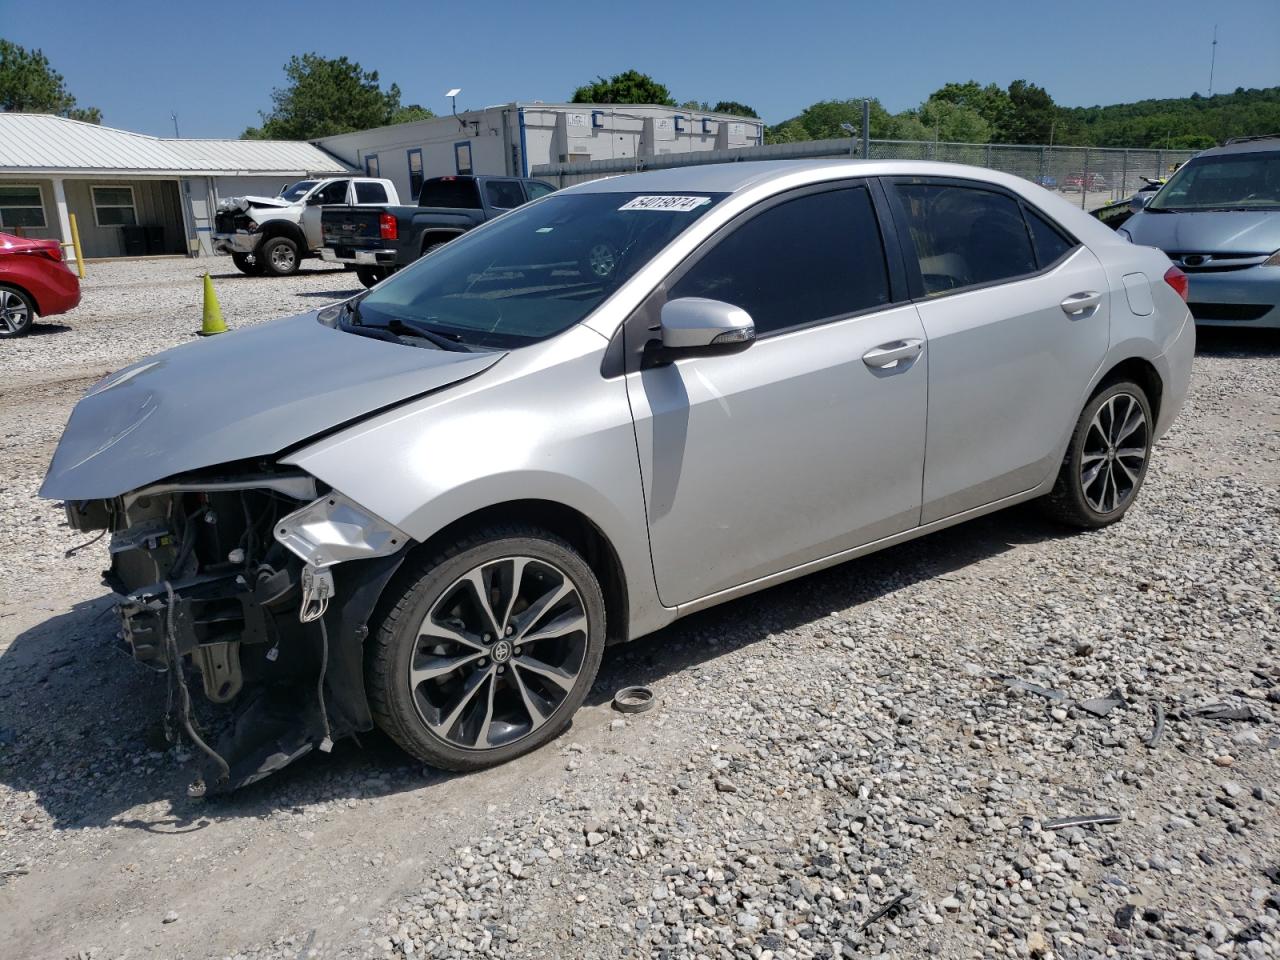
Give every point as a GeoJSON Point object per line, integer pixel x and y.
{"type": "Point", "coordinates": [1211, 231]}
{"type": "Point", "coordinates": [251, 393]}
{"type": "Point", "coordinates": [244, 204]}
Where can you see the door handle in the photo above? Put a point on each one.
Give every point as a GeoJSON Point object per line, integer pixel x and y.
{"type": "Point", "coordinates": [1076, 304]}
{"type": "Point", "coordinates": [889, 354]}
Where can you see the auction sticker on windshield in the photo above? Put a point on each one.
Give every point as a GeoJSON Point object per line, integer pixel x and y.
{"type": "Point", "coordinates": [678, 204]}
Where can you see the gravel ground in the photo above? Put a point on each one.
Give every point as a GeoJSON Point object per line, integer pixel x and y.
{"type": "Point", "coordinates": [837, 767]}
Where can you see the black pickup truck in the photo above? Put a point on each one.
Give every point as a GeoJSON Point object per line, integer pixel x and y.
{"type": "Point", "coordinates": [379, 240]}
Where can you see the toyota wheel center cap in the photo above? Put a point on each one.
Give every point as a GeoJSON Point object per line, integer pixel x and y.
{"type": "Point", "coordinates": [501, 651]}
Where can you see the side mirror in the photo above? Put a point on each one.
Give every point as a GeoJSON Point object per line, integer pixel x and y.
{"type": "Point", "coordinates": [698, 324]}
{"type": "Point", "coordinates": [315, 200]}
{"type": "Point", "coordinates": [1139, 200]}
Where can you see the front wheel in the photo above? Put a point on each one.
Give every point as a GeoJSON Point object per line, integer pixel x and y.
{"type": "Point", "coordinates": [488, 649]}
{"type": "Point", "coordinates": [17, 312]}
{"type": "Point", "coordinates": [1107, 459]}
{"type": "Point", "coordinates": [279, 256]}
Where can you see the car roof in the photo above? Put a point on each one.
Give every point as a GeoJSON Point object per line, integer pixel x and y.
{"type": "Point", "coordinates": [734, 177]}
{"type": "Point", "coordinates": [1265, 144]}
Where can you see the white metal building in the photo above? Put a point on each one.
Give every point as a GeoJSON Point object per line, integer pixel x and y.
{"type": "Point", "coordinates": [510, 139]}
{"type": "Point", "coordinates": [134, 194]}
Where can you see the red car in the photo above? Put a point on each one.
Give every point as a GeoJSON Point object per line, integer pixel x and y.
{"type": "Point", "coordinates": [33, 281]}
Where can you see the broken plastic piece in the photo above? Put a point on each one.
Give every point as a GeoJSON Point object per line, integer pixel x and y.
{"type": "Point", "coordinates": [1038, 690]}
{"type": "Point", "coordinates": [891, 905]}
{"type": "Point", "coordinates": [1223, 711]}
{"type": "Point", "coordinates": [1158, 730]}
{"type": "Point", "coordinates": [1101, 706]}
{"type": "Point", "coordinates": [1087, 820]}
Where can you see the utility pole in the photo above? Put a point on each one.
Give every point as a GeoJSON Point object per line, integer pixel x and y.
{"type": "Point", "coordinates": [1213, 58]}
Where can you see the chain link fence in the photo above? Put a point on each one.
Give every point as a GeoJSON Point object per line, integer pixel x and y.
{"type": "Point", "coordinates": [1094, 175]}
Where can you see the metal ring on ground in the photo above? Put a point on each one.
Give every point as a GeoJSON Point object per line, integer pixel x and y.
{"type": "Point", "coordinates": [633, 700]}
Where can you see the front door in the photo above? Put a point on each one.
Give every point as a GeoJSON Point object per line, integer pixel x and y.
{"type": "Point", "coordinates": [328, 195]}
{"type": "Point", "coordinates": [1016, 315]}
{"type": "Point", "coordinates": [810, 441]}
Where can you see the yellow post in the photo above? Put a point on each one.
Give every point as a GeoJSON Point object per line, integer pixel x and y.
{"type": "Point", "coordinates": [213, 322]}
{"type": "Point", "coordinates": [75, 244]}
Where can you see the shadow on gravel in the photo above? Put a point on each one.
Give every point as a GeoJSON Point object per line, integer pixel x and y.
{"type": "Point", "coordinates": [80, 722]}
{"type": "Point", "coordinates": [711, 633]}
{"type": "Point", "coordinates": [43, 329]}
{"type": "Point", "coordinates": [1237, 342]}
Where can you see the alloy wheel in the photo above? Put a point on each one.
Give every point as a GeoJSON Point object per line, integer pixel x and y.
{"type": "Point", "coordinates": [1114, 453]}
{"type": "Point", "coordinates": [602, 259]}
{"type": "Point", "coordinates": [498, 653]}
{"type": "Point", "coordinates": [14, 315]}
{"type": "Point", "coordinates": [282, 257]}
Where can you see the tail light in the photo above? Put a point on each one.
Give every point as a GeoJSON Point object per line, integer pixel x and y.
{"type": "Point", "coordinates": [1178, 280]}
{"type": "Point", "coordinates": [387, 227]}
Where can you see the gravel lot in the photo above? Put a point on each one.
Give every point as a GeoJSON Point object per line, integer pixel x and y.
{"type": "Point", "coordinates": [837, 767]}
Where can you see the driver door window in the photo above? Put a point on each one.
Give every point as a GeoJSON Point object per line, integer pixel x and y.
{"type": "Point", "coordinates": [334, 193]}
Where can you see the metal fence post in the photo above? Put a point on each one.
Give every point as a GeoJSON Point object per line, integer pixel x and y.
{"type": "Point", "coordinates": [866, 129]}
{"type": "Point", "coordinates": [1124, 176]}
{"type": "Point", "coordinates": [1084, 180]}
{"type": "Point", "coordinates": [1159, 163]}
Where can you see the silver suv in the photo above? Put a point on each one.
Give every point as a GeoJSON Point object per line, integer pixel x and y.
{"type": "Point", "coordinates": [432, 506]}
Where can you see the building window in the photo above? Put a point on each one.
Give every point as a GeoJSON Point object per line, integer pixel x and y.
{"type": "Point", "coordinates": [415, 172]}
{"type": "Point", "coordinates": [21, 205]}
{"type": "Point", "coordinates": [371, 166]}
{"type": "Point", "coordinates": [114, 207]}
{"type": "Point", "coordinates": [462, 156]}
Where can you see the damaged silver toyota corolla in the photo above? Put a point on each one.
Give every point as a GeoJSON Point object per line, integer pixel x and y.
{"type": "Point", "coordinates": [431, 506]}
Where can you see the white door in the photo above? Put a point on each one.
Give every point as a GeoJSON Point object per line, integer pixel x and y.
{"type": "Point", "coordinates": [337, 192]}
{"type": "Point", "coordinates": [808, 442]}
{"type": "Point", "coordinates": [1016, 315]}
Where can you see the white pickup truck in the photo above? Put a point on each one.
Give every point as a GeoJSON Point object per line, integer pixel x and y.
{"type": "Point", "coordinates": [274, 234]}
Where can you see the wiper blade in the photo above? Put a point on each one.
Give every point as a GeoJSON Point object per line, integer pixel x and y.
{"type": "Point", "coordinates": [401, 328]}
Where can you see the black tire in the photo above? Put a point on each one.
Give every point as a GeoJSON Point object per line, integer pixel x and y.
{"type": "Point", "coordinates": [1085, 498]}
{"type": "Point", "coordinates": [17, 312]}
{"type": "Point", "coordinates": [279, 256]}
{"type": "Point", "coordinates": [432, 246]}
{"type": "Point", "coordinates": [371, 275]}
{"type": "Point", "coordinates": [247, 264]}
{"type": "Point", "coordinates": [402, 637]}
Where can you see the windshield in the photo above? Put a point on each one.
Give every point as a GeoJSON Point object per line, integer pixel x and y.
{"type": "Point", "coordinates": [298, 190]}
{"type": "Point", "coordinates": [1242, 181]}
{"type": "Point", "coordinates": [534, 272]}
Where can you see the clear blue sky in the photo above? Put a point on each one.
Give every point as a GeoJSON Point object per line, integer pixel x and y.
{"type": "Point", "coordinates": [214, 64]}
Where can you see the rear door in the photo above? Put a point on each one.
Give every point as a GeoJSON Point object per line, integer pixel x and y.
{"type": "Point", "coordinates": [807, 443]}
{"type": "Point", "coordinates": [1016, 313]}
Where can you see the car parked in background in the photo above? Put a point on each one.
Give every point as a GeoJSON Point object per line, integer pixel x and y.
{"type": "Point", "coordinates": [430, 507]}
{"type": "Point", "coordinates": [1218, 218]}
{"type": "Point", "coordinates": [378, 241]}
{"type": "Point", "coordinates": [34, 281]}
{"type": "Point", "coordinates": [1077, 182]}
{"type": "Point", "coordinates": [275, 234]}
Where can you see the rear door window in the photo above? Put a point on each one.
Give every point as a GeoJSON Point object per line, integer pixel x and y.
{"type": "Point", "coordinates": [503, 194]}
{"type": "Point", "coordinates": [536, 189]}
{"type": "Point", "coordinates": [450, 192]}
{"type": "Point", "coordinates": [370, 193]}
{"type": "Point", "coordinates": [1050, 243]}
{"type": "Point", "coordinates": [964, 236]}
{"type": "Point", "coordinates": [816, 257]}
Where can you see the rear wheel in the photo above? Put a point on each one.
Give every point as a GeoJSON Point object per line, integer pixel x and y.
{"type": "Point", "coordinates": [247, 263]}
{"type": "Point", "coordinates": [17, 312]}
{"type": "Point", "coordinates": [432, 246]}
{"type": "Point", "coordinates": [1107, 459]}
{"type": "Point", "coordinates": [489, 649]}
{"type": "Point", "coordinates": [279, 256]}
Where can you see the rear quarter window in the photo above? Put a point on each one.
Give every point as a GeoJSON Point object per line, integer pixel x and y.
{"type": "Point", "coordinates": [450, 192]}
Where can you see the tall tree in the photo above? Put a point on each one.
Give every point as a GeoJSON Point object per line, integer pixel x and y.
{"type": "Point", "coordinates": [630, 86]}
{"type": "Point", "coordinates": [734, 108]}
{"type": "Point", "coordinates": [28, 84]}
{"type": "Point", "coordinates": [953, 122]}
{"type": "Point", "coordinates": [821, 121]}
{"type": "Point", "coordinates": [326, 96]}
{"type": "Point", "coordinates": [989, 102]}
{"type": "Point", "coordinates": [1032, 114]}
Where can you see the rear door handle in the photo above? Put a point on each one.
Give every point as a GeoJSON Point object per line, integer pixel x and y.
{"type": "Point", "coordinates": [1078, 303]}
{"type": "Point", "coordinates": [894, 352]}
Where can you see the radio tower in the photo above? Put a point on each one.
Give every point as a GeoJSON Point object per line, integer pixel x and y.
{"type": "Point", "coordinates": [1213, 58]}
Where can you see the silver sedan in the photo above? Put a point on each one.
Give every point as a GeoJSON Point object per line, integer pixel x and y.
{"type": "Point", "coordinates": [432, 506]}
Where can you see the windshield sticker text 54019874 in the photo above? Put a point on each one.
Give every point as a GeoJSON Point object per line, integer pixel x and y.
{"type": "Point", "coordinates": [677, 204]}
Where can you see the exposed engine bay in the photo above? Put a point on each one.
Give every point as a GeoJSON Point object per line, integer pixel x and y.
{"type": "Point", "coordinates": [260, 584]}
